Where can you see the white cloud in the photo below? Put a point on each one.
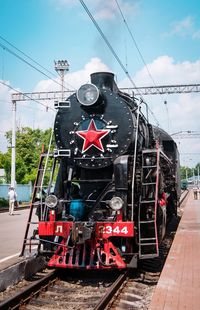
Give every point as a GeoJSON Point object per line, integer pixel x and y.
{"type": "Point", "coordinates": [110, 9]}
{"type": "Point", "coordinates": [196, 35]}
{"type": "Point", "coordinates": [6, 113]}
{"type": "Point", "coordinates": [182, 27]}
{"type": "Point", "coordinates": [5, 92]}
{"type": "Point", "coordinates": [27, 114]}
{"type": "Point", "coordinates": [181, 113]}
{"type": "Point", "coordinates": [75, 79]}
{"type": "Point", "coordinates": [31, 113]}
{"type": "Point", "coordinates": [166, 72]}
{"type": "Point", "coordinates": [5, 101]}
{"type": "Point", "coordinates": [107, 11]}
{"type": "Point", "coordinates": [182, 110]}
{"type": "Point", "coordinates": [60, 3]}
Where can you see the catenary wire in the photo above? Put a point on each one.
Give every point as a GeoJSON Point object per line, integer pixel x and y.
{"type": "Point", "coordinates": [12, 45]}
{"type": "Point", "coordinates": [135, 43]}
{"type": "Point", "coordinates": [114, 53]}
{"type": "Point", "coordinates": [137, 47]}
{"type": "Point", "coordinates": [28, 63]}
{"type": "Point", "coordinates": [47, 107]}
{"type": "Point", "coordinates": [106, 41]}
{"type": "Point", "coordinates": [24, 106]}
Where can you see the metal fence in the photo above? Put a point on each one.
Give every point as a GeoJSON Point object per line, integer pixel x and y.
{"type": "Point", "coordinates": [23, 191]}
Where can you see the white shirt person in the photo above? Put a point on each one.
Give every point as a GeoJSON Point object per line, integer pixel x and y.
{"type": "Point", "coordinates": [12, 196]}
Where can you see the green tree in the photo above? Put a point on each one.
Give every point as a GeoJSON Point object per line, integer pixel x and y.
{"type": "Point", "coordinates": [5, 163]}
{"type": "Point", "coordinates": [29, 145]}
{"type": "Point", "coordinates": [197, 169]}
{"type": "Point", "coordinates": [189, 172]}
{"type": "Point", "coordinates": [186, 172]}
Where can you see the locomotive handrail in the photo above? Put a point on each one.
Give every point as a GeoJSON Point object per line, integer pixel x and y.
{"type": "Point", "coordinates": [45, 167]}
{"type": "Point", "coordinates": [134, 160]}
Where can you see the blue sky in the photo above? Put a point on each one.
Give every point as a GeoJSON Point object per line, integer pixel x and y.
{"type": "Point", "coordinates": [166, 32]}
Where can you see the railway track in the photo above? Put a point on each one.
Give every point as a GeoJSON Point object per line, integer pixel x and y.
{"type": "Point", "coordinates": [91, 290]}
{"type": "Point", "coordinates": [61, 290]}
{"type": "Point", "coordinates": [55, 292]}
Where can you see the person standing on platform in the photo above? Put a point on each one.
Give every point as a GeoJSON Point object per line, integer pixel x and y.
{"type": "Point", "coordinates": [12, 196]}
{"type": "Point", "coordinates": [195, 190]}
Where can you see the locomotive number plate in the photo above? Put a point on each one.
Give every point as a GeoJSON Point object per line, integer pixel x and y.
{"type": "Point", "coordinates": [124, 229]}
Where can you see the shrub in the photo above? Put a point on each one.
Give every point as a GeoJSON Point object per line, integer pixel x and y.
{"type": "Point", "coordinates": [3, 202]}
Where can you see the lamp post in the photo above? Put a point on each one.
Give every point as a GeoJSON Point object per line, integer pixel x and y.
{"type": "Point", "coordinates": [61, 66]}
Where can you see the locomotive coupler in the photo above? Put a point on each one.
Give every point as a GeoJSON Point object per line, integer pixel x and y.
{"type": "Point", "coordinates": [80, 233]}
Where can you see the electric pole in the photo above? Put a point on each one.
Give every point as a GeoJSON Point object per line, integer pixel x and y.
{"type": "Point", "coordinates": [13, 183]}
{"type": "Point", "coordinates": [61, 66]}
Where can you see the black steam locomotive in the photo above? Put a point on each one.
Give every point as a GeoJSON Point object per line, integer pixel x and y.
{"type": "Point", "coordinates": [113, 184]}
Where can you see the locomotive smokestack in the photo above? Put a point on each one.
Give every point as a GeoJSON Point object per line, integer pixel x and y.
{"type": "Point", "coordinates": [104, 80]}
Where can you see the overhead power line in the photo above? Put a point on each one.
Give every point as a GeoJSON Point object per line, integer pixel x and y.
{"type": "Point", "coordinates": [27, 96]}
{"type": "Point", "coordinates": [107, 42]}
{"type": "Point", "coordinates": [112, 51]}
{"type": "Point", "coordinates": [137, 48]}
{"type": "Point", "coordinates": [134, 41]}
{"type": "Point", "coordinates": [27, 56]}
{"type": "Point", "coordinates": [26, 107]}
{"type": "Point", "coordinates": [28, 63]}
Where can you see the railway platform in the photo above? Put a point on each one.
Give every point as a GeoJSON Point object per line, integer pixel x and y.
{"type": "Point", "coordinates": [179, 285]}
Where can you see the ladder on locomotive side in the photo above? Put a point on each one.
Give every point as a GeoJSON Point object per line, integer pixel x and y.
{"type": "Point", "coordinates": [38, 191]}
{"type": "Point", "coordinates": [37, 184]}
{"type": "Point", "coordinates": [37, 198]}
{"type": "Point", "coordinates": [147, 215]}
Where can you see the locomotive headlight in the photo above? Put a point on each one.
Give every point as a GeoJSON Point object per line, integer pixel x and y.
{"type": "Point", "coordinates": [148, 161]}
{"type": "Point", "coordinates": [88, 94]}
{"type": "Point", "coordinates": [116, 203]}
{"type": "Point", "coordinates": [51, 201]}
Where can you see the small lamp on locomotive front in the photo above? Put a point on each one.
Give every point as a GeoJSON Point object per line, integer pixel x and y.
{"type": "Point", "coordinates": [116, 203]}
{"type": "Point", "coordinates": [51, 201]}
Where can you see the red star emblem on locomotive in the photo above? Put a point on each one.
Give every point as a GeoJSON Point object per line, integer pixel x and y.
{"type": "Point", "coordinates": [92, 137]}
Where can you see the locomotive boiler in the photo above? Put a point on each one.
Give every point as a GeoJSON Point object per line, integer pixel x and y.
{"type": "Point", "coordinates": [113, 182]}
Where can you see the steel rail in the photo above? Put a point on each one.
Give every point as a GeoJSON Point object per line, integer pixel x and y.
{"type": "Point", "coordinates": [23, 297]}
{"type": "Point", "coordinates": [111, 292]}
